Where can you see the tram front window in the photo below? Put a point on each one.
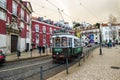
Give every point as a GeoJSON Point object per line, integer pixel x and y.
{"type": "Point", "coordinates": [64, 41]}
{"type": "Point", "coordinates": [57, 40]}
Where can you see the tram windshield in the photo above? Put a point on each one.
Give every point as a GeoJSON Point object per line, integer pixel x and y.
{"type": "Point", "coordinates": [57, 42]}
{"type": "Point", "coordinates": [64, 41]}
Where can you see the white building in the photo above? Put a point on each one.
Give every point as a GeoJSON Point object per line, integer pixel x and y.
{"type": "Point", "coordinates": [110, 32]}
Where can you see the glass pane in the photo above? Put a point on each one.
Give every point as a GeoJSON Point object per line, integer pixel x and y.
{"type": "Point", "coordinates": [53, 42]}
{"type": "Point", "coordinates": [70, 42]}
{"type": "Point", "coordinates": [57, 42]}
{"type": "Point", "coordinates": [64, 41]}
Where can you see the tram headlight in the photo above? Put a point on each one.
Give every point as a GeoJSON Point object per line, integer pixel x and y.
{"type": "Point", "coordinates": [57, 53]}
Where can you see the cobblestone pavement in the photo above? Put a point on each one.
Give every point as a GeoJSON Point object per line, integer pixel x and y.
{"type": "Point", "coordinates": [96, 67]}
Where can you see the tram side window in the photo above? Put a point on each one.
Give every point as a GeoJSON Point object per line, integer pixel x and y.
{"type": "Point", "coordinates": [57, 42]}
{"type": "Point", "coordinates": [75, 43]}
{"type": "Point", "coordinates": [70, 42]}
{"type": "Point", "coordinates": [53, 43]}
{"type": "Point", "coordinates": [64, 41]}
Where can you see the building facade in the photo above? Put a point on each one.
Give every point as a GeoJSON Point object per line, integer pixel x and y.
{"type": "Point", "coordinates": [42, 33]}
{"type": "Point", "coordinates": [110, 32]}
{"type": "Point", "coordinates": [15, 28]}
{"type": "Point", "coordinates": [90, 36]}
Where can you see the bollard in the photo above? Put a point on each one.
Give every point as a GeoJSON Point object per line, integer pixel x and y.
{"type": "Point", "coordinates": [46, 51]}
{"type": "Point", "coordinates": [79, 59]}
{"type": "Point", "coordinates": [18, 53]}
{"type": "Point", "coordinates": [41, 73]}
{"type": "Point", "coordinates": [31, 52]}
{"type": "Point", "coordinates": [67, 65]}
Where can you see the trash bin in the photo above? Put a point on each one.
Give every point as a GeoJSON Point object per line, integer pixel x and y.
{"type": "Point", "coordinates": [18, 53]}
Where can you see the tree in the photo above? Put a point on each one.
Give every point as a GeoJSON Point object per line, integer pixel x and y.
{"type": "Point", "coordinates": [112, 19]}
{"type": "Point", "coordinates": [76, 25]}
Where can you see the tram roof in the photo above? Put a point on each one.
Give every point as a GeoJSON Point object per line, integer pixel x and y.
{"type": "Point", "coordinates": [64, 35]}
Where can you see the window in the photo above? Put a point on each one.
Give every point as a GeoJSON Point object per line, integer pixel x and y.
{"type": "Point", "coordinates": [14, 8]}
{"type": "Point", "coordinates": [37, 39]}
{"type": "Point", "coordinates": [64, 41]}
{"type": "Point", "coordinates": [50, 30]}
{"type": "Point", "coordinates": [3, 4]}
{"type": "Point", "coordinates": [36, 28]}
{"type": "Point", "coordinates": [57, 42]}
{"type": "Point", "coordinates": [27, 35]}
{"type": "Point", "coordinates": [53, 42]}
{"type": "Point", "coordinates": [28, 18]}
{"type": "Point", "coordinates": [27, 27]}
{"type": "Point", "coordinates": [22, 25]}
{"type": "Point", "coordinates": [70, 42]}
{"type": "Point", "coordinates": [2, 15]}
{"type": "Point", "coordinates": [44, 29]}
{"type": "Point", "coordinates": [22, 14]}
{"type": "Point", "coordinates": [44, 39]}
{"type": "Point", "coordinates": [76, 42]}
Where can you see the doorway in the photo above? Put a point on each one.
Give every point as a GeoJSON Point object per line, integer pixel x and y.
{"type": "Point", "coordinates": [14, 41]}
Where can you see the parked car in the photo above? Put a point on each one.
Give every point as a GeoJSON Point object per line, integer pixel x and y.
{"type": "Point", "coordinates": [2, 58]}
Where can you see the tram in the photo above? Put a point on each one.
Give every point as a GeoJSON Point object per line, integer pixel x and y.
{"type": "Point", "coordinates": [65, 45]}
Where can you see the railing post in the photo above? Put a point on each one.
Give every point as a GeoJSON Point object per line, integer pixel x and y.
{"type": "Point", "coordinates": [67, 65]}
{"type": "Point", "coordinates": [41, 73]}
{"type": "Point", "coordinates": [31, 52]}
{"type": "Point", "coordinates": [79, 59]}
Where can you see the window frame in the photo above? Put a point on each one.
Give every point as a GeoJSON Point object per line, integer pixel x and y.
{"type": "Point", "coordinates": [2, 15]}
{"type": "Point", "coordinates": [3, 4]}
{"type": "Point", "coordinates": [14, 8]}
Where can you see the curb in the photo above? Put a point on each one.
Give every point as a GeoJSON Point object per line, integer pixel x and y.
{"type": "Point", "coordinates": [22, 59]}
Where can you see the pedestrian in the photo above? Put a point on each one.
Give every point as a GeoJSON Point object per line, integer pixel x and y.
{"type": "Point", "coordinates": [39, 49]}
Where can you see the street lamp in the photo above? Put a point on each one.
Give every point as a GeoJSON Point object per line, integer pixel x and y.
{"type": "Point", "coordinates": [98, 25]}
{"type": "Point", "coordinates": [100, 43]}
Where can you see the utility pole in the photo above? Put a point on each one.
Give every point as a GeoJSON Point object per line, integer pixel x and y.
{"type": "Point", "coordinates": [100, 35]}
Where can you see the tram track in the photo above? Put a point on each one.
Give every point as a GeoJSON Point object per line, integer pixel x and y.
{"type": "Point", "coordinates": [30, 69]}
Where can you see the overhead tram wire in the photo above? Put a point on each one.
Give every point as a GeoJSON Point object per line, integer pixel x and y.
{"type": "Point", "coordinates": [89, 11]}
{"type": "Point", "coordinates": [41, 6]}
{"type": "Point", "coordinates": [59, 11]}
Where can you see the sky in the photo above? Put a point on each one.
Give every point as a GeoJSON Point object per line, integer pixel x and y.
{"type": "Point", "coordinates": [90, 11]}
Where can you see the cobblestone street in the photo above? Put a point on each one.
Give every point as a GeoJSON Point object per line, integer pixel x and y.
{"type": "Point", "coordinates": [96, 67]}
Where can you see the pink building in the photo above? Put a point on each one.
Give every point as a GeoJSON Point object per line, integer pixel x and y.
{"type": "Point", "coordinates": [42, 33]}
{"type": "Point", "coordinates": [15, 25]}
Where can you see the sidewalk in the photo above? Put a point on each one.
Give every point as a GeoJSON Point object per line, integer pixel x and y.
{"type": "Point", "coordinates": [26, 55]}
{"type": "Point", "coordinates": [96, 67]}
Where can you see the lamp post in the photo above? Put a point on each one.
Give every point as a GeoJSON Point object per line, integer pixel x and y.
{"type": "Point", "coordinates": [100, 43]}
{"type": "Point", "coordinates": [100, 39]}
{"type": "Point", "coordinates": [98, 25]}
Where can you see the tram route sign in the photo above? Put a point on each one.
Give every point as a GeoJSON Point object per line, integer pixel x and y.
{"type": "Point", "coordinates": [60, 31]}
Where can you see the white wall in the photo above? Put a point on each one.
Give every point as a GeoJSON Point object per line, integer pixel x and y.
{"type": "Point", "coordinates": [2, 40]}
{"type": "Point", "coordinates": [22, 44]}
